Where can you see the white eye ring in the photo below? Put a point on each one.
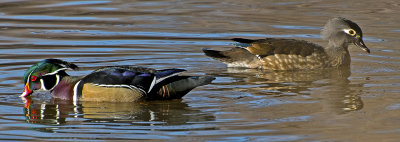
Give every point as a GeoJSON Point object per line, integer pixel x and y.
{"type": "Point", "coordinates": [350, 32]}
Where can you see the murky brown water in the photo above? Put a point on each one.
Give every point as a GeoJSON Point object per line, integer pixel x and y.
{"type": "Point", "coordinates": [241, 105]}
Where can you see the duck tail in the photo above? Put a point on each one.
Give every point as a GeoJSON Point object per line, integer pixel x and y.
{"type": "Point", "coordinates": [236, 57]}
{"type": "Point", "coordinates": [243, 40]}
{"type": "Point", "coordinates": [178, 86]}
{"type": "Point", "coordinates": [214, 53]}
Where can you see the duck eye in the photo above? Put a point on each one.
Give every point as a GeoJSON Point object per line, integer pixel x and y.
{"type": "Point", "coordinates": [350, 32]}
{"type": "Point", "coordinates": [33, 78]}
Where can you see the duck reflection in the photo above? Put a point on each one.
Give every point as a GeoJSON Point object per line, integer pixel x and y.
{"type": "Point", "coordinates": [331, 85]}
{"type": "Point", "coordinates": [58, 112]}
{"type": "Point", "coordinates": [44, 113]}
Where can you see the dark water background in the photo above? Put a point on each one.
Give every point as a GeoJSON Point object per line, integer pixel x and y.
{"type": "Point", "coordinates": [241, 104]}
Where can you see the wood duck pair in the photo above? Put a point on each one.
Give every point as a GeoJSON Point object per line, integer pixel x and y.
{"type": "Point", "coordinates": [130, 84]}
{"type": "Point", "coordinates": [291, 54]}
{"type": "Point", "coordinates": [116, 84]}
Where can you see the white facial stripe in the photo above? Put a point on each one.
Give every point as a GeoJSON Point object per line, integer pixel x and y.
{"type": "Point", "coordinates": [29, 77]}
{"type": "Point", "coordinates": [42, 85]}
{"type": "Point", "coordinates": [54, 72]}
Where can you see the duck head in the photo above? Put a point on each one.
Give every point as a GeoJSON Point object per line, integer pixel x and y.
{"type": "Point", "coordinates": [340, 32]}
{"type": "Point", "coordinates": [45, 75]}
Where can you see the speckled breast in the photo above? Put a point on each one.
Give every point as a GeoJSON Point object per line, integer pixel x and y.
{"type": "Point", "coordinates": [294, 62]}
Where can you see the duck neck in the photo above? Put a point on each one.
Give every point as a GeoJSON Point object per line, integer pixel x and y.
{"type": "Point", "coordinates": [64, 89]}
{"type": "Point", "coordinates": [338, 54]}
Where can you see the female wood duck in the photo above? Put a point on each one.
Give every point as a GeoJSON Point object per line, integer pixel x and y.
{"type": "Point", "coordinates": [291, 54]}
{"type": "Point", "coordinates": [116, 84]}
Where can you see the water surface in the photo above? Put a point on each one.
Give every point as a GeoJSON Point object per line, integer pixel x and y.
{"type": "Point", "coordinates": [359, 104]}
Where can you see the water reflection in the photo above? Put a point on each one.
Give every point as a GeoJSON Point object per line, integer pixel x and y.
{"type": "Point", "coordinates": [243, 105]}
{"type": "Point", "coordinates": [331, 85]}
{"type": "Point", "coordinates": [58, 112]}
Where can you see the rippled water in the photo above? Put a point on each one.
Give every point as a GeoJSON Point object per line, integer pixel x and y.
{"type": "Point", "coordinates": [240, 105]}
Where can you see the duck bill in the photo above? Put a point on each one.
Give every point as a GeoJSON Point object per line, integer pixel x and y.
{"type": "Point", "coordinates": [360, 43]}
{"type": "Point", "coordinates": [27, 91]}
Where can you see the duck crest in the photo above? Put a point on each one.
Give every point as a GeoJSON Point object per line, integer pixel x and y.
{"type": "Point", "coordinates": [45, 75]}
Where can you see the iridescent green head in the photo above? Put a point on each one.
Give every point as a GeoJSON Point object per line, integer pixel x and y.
{"type": "Point", "coordinates": [45, 75]}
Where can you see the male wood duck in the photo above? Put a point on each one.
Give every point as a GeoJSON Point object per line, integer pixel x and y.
{"type": "Point", "coordinates": [291, 54]}
{"type": "Point", "coordinates": [116, 84]}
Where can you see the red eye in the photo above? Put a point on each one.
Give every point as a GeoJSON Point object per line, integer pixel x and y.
{"type": "Point", "coordinates": [33, 78]}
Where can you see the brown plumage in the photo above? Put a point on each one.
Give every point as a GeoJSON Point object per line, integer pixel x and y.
{"type": "Point", "coordinates": [291, 54]}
